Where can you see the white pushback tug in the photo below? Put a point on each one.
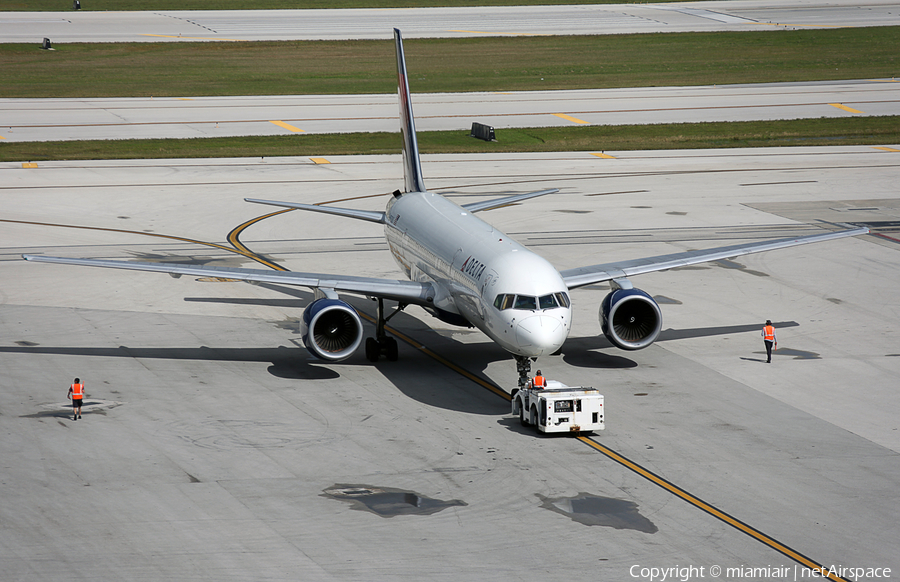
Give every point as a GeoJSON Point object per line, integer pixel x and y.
{"type": "Point", "coordinates": [559, 408]}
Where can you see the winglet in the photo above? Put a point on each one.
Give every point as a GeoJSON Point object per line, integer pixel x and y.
{"type": "Point", "coordinates": [412, 167]}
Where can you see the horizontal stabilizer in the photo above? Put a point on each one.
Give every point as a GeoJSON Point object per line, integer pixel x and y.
{"type": "Point", "coordinates": [370, 215]}
{"type": "Point", "coordinates": [498, 202]}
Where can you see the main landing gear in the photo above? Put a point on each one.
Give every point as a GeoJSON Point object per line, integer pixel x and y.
{"type": "Point", "coordinates": [381, 343]}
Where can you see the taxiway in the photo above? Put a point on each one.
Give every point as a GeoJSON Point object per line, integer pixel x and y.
{"type": "Point", "coordinates": [236, 25]}
{"type": "Point", "coordinates": [213, 448]}
{"type": "Point", "coordinates": [190, 117]}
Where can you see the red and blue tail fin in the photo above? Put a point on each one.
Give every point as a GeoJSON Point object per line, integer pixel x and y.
{"type": "Point", "coordinates": [412, 167]}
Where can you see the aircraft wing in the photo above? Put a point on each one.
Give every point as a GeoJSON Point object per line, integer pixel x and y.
{"type": "Point", "coordinates": [404, 291]}
{"type": "Point", "coordinates": [582, 276]}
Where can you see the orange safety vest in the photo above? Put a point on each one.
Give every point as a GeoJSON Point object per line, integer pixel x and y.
{"type": "Point", "coordinates": [770, 333]}
{"type": "Point", "coordinates": [77, 391]}
{"type": "Point", "coordinates": [539, 382]}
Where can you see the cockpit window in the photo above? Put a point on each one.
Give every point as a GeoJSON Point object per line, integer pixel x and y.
{"type": "Point", "coordinates": [528, 302]}
{"type": "Point", "coordinates": [525, 302]}
{"type": "Point", "coordinates": [504, 301]}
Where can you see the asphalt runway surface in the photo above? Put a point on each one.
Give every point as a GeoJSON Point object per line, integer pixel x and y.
{"type": "Point", "coordinates": [212, 447]}
{"type": "Point", "coordinates": [189, 117]}
{"type": "Point", "coordinates": [174, 26]}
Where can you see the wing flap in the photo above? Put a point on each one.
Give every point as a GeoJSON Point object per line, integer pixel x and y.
{"type": "Point", "coordinates": [407, 291]}
{"type": "Point", "coordinates": [582, 276]}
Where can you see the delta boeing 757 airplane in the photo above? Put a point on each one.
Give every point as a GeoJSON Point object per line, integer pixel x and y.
{"type": "Point", "coordinates": [464, 272]}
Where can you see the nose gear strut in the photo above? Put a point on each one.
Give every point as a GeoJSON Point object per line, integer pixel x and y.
{"type": "Point", "coordinates": [523, 366]}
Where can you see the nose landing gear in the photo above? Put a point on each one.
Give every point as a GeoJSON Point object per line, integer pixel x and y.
{"type": "Point", "coordinates": [523, 366]}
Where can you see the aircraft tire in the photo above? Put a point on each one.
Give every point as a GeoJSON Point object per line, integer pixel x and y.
{"type": "Point", "coordinates": [372, 349]}
{"type": "Point", "coordinates": [392, 351]}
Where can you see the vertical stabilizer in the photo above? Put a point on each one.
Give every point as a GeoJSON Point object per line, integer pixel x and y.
{"type": "Point", "coordinates": [412, 168]}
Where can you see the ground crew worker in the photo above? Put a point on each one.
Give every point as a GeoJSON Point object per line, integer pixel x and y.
{"type": "Point", "coordinates": [539, 381]}
{"type": "Point", "coordinates": [768, 334]}
{"type": "Point", "coordinates": [76, 393]}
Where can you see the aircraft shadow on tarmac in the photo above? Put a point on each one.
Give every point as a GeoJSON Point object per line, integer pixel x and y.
{"type": "Point", "coordinates": [580, 352]}
{"type": "Point", "coordinates": [286, 362]}
{"type": "Point", "coordinates": [302, 298]}
{"type": "Point", "coordinates": [412, 375]}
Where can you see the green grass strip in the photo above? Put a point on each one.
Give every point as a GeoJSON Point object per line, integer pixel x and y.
{"type": "Point", "coordinates": [803, 132]}
{"type": "Point", "coordinates": [447, 65]}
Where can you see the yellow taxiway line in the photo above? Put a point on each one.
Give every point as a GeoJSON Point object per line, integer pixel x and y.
{"type": "Point", "coordinates": [287, 126]}
{"type": "Point", "coordinates": [494, 33]}
{"type": "Point", "coordinates": [194, 37]}
{"type": "Point", "coordinates": [572, 119]}
{"type": "Point", "coordinates": [820, 570]}
{"type": "Point", "coordinates": [845, 108]}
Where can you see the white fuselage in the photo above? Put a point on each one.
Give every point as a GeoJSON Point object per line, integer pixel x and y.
{"type": "Point", "coordinates": [511, 294]}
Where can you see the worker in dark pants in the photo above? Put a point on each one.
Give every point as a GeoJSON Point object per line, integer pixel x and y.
{"type": "Point", "coordinates": [76, 394]}
{"type": "Point", "coordinates": [768, 334]}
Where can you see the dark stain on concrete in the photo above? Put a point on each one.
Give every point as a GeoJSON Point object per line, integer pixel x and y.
{"type": "Point", "coordinates": [387, 501]}
{"type": "Point", "coordinates": [590, 509]}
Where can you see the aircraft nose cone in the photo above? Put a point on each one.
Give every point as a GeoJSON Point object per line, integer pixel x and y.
{"type": "Point", "coordinates": [541, 335]}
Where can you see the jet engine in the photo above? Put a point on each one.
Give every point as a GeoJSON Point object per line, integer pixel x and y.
{"type": "Point", "coordinates": [630, 319]}
{"type": "Point", "coordinates": [331, 329]}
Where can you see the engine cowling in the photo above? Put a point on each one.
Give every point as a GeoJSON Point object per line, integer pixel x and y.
{"type": "Point", "coordinates": [630, 319]}
{"type": "Point", "coordinates": [331, 329]}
